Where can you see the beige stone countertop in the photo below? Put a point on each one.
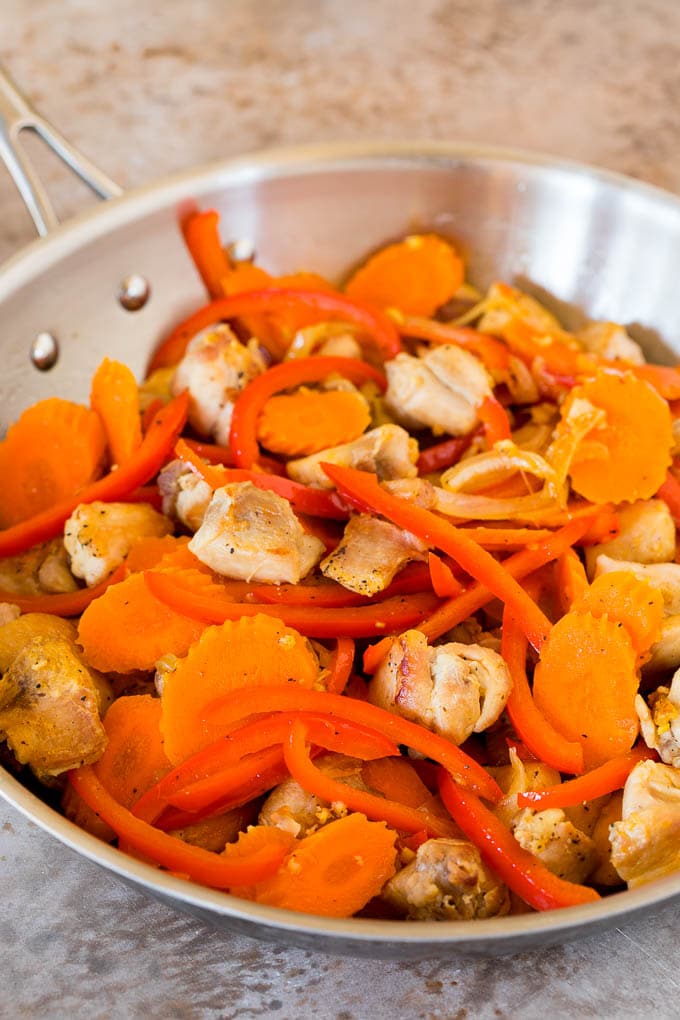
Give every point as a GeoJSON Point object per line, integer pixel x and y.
{"type": "Point", "coordinates": [147, 87]}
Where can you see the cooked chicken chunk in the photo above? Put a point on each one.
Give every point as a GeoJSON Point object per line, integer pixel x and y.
{"type": "Point", "coordinates": [41, 570]}
{"type": "Point", "coordinates": [611, 341]}
{"type": "Point", "coordinates": [605, 873]}
{"type": "Point", "coordinates": [389, 451]}
{"type": "Point", "coordinates": [660, 721]}
{"type": "Point", "coordinates": [214, 370]}
{"type": "Point", "coordinates": [551, 835]}
{"type": "Point", "coordinates": [185, 494]}
{"type": "Point", "coordinates": [370, 554]}
{"type": "Point", "coordinates": [665, 577]}
{"type": "Point", "coordinates": [646, 842]}
{"type": "Point", "coordinates": [15, 634]}
{"type": "Point", "coordinates": [254, 535]}
{"type": "Point", "coordinates": [49, 708]}
{"type": "Point", "coordinates": [447, 881]}
{"type": "Point", "coordinates": [325, 338]}
{"type": "Point", "coordinates": [665, 654]}
{"type": "Point", "coordinates": [290, 807]}
{"type": "Point", "coordinates": [98, 536]}
{"type": "Point", "coordinates": [453, 689]}
{"type": "Point", "coordinates": [441, 390]}
{"type": "Point", "coordinates": [646, 535]}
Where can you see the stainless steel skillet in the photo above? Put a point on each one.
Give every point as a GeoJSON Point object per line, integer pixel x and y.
{"type": "Point", "coordinates": [588, 238]}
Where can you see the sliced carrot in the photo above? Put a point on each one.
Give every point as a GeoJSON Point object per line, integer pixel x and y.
{"type": "Point", "coordinates": [53, 450]}
{"type": "Point", "coordinates": [585, 685]}
{"type": "Point", "coordinates": [133, 759]}
{"type": "Point", "coordinates": [244, 653]}
{"type": "Point", "coordinates": [416, 275]}
{"type": "Point", "coordinates": [624, 598]}
{"type": "Point", "coordinates": [570, 579]}
{"type": "Point", "coordinates": [128, 629]}
{"type": "Point", "coordinates": [637, 439]}
{"type": "Point", "coordinates": [334, 872]}
{"type": "Point", "coordinates": [150, 551]}
{"type": "Point", "coordinates": [114, 395]}
{"type": "Point", "coordinates": [396, 779]}
{"type": "Point", "coordinates": [304, 422]}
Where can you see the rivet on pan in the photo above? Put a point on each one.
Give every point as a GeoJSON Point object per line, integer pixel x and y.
{"type": "Point", "coordinates": [45, 351]}
{"type": "Point", "coordinates": [134, 292]}
{"type": "Point", "coordinates": [242, 250]}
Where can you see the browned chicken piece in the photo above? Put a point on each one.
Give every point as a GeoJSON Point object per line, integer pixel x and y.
{"type": "Point", "coordinates": [213, 834]}
{"type": "Point", "coordinates": [665, 577]}
{"type": "Point", "coordinates": [334, 339]}
{"type": "Point", "coordinates": [646, 842]}
{"type": "Point", "coordinates": [453, 689]}
{"type": "Point", "coordinates": [49, 708]}
{"type": "Point", "coordinates": [646, 535]}
{"type": "Point", "coordinates": [214, 370]}
{"type": "Point", "coordinates": [447, 881]}
{"type": "Point", "coordinates": [17, 633]}
{"type": "Point", "coordinates": [370, 553]}
{"type": "Point", "coordinates": [551, 835]}
{"type": "Point", "coordinates": [42, 570]}
{"type": "Point", "coordinates": [660, 721]}
{"type": "Point", "coordinates": [388, 451]}
{"type": "Point", "coordinates": [605, 873]}
{"type": "Point", "coordinates": [441, 390]}
{"type": "Point", "coordinates": [611, 341]}
{"type": "Point", "coordinates": [185, 494]}
{"type": "Point", "coordinates": [82, 815]}
{"type": "Point", "coordinates": [98, 536]}
{"type": "Point", "coordinates": [290, 807]}
{"type": "Point", "coordinates": [252, 534]}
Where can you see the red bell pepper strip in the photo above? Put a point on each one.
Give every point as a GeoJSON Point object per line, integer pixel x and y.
{"type": "Point", "coordinates": [210, 869]}
{"type": "Point", "coordinates": [670, 494]}
{"type": "Point", "coordinates": [365, 488]}
{"type": "Point", "coordinates": [530, 725]}
{"type": "Point", "coordinates": [520, 870]}
{"type": "Point", "coordinates": [415, 577]}
{"type": "Point", "coordinates": [377, 326]}
{"type": "Point", "coordinates": [303, 498]}
{"type": "Point", "coordinates": [146, 494]}
{"type": "Point", "coordinates": [71, 603]}
{"type": "Point", "coordinates": [605, 779]}
{"type": "Point", "coordinates": [505, 538]}
{"type": "Point", "coordinates": [224, 782]}
{"type": "Point", "coordinates": [248, 701]}
{"type": "Point", "coordinates": [488, 349]}
{"type": "Point", "coordinates": [443, 455]}
{"type": "Point", "coordinates": [458, 609]}
{"type": "Point", "coordinates": [444, 584]}
{"type": "Point", "coordinates": [251, 400]}
{"type": "Point", "coordinates": [223, 455]}
{"type": "Point", "coordinates": [340, 665]}
{"type": "Point", "coordinates": [150, 413]}
{"type": "Point", "coordinates": [390, 616]}
{"type": "Point", "coordinates": [313, 780]}
{"type": "Point", "coordinates": [495, 421]}
{"type": "Point", "coordinates": [143, 465]}
{"type": "Point", "coordinates": [202, 238]}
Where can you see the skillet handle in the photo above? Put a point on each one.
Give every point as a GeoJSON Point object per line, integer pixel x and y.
{"type": "Point", "coordinates": [17, 115]}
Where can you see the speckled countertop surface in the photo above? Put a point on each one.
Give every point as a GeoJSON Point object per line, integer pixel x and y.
{"type": "Point", "coordinates": [146, 87]}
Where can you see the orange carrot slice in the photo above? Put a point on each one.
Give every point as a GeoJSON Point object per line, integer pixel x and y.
{"type": "Point", "coordinates": [585, 685]}
{"type": "Point", "coordinates": [247, 652]}
{"type": "Point", "coordinates": [624, 598]}
{"type": "Point", "coordinates": [570, 579]}
{"type": "Point", "coordinates": [128, 629]}
{"type": "Point", "coordinates": [115, 397]}
{"type": "Point", "coordinates": [416, 275]}
{"type": "Point", "coordinates": [636, 439]}
{"type": "Point", "coordinates": [133, 760]}
{"type": "Point", "coordinates": [53, 450]}
{"type": "Point", "coordinates": [334, 872]}
{"type": "Point", "coordinates": [297, 424]}
{"type": "Point", "coordinates": [148, 552]}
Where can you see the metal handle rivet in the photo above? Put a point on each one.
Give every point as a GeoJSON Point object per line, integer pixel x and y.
{"type": "Point", "coordinates": [45, 351]}
{"type": "Point", "coordinates": [134, 292]}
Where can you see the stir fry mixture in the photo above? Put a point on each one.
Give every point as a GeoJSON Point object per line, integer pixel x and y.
{"type": "Point", "coordinates": [365, 601]}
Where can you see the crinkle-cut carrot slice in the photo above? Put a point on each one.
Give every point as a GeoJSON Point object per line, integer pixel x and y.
{"type": "Point", "coordinates": [126, 629]}
{"type": "Point", "coordinates": [255, 838]}
{"type": "Point", "coordinates": [625, 599]}
{"type": "Point", "coordinates": [585, 685]}
{"type": "Point", "coordinates": [114, 395]}
{"type": "Point", "coordinates": [637, 436]}
{"type": "Point", "coordinates": [247, 652]}
{"type": "Point", "coordinates": [416, 275]}
{"type": "Point", "coordinates": [301, 423]}
{"type": "Point", "coordinates": [133, 760]}
{"type": "Point", "coordinates": [334, 872]}
{"type": "Point", "coordinates": [54, 449]}
{"type": "Point", "coordinates": [150, 551]}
